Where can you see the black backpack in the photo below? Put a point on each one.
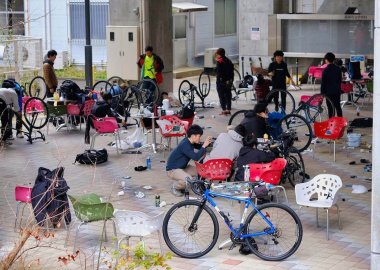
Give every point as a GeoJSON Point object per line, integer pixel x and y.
{"type": "Point", "coordinates": [92, 157]}
{"type": "Point", "coordinates": [70, 90]}
{"type": "Point", "coordinates": [187, 111]}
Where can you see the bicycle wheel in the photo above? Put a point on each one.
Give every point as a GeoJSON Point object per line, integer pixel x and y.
{"type": "Point", "coordinates": [185, 94]}
{"type": "Point", "coordinates": [274, 100]}
{"type": "Point", "coordinates": [116, 80]}
{"type": "Point", "coordinates": [36, 113]}
{"type": "Point", "coordinates": [38, 87]}
{"type": "Point", "coordinates": [237, 75]}
{"type": "Point", "coordinates": [295, 168]}
{"type": "Point", "coordinates": [317, 108]}
{"type": "Point", "coordinates": [302, 129]}
{"type": "Point", "coordinates": [103, 86]}
{"type": "Point", "coordinates": [148, 92]}
{"type": "Point", "coordinates": [190, 242]}
{"type": "Point", "coordinates": [286, 238]}
{"type": "Point", "coordinates": [204, 84]}
{"type": "Point", "coordinates": [237, 117]}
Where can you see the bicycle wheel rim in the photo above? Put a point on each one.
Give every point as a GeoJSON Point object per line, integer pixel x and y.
{"type": "Point", "coordinates": [103, 86]}
{"type": "Point", "coordinates": [184, 92]}
{"type": "Point", "coordinates": [204, 84]}
{"type": "Point", "coordinates": [295, 167]}
{"type": "Point", "coordinates": [38, 87]}
{"type": "Point", "coordinates": [148, 92]}
{"type": "Point", "coordinates": [237, 117]}
{"type": "Point", "coordinates": [298, 124]}
{"type": "Point", "coordinates": [36, 113]}
{"type": "Point", "coordinates": [286, 239]}
{"type": "Point", "coordinates": [273, 105]}
{"type": "Point", "coordinates": [116, 80]}
{"type": "Point", "coordinates": [177, 236]}
{"type": "Point", "coordinates": [317, 108]}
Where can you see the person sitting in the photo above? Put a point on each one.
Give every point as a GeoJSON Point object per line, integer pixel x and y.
{"type": "Point", "coordinates": [8, 105]}
{"type": "Point", "coordinates": [262, 88]}
{"type": "Point", "coordinates": [177, 167]}
{"type": "Point", "coordinates": [250, 154]}
{"type": "Point", "coordinates": [102, 108]}
{"type": "Point", "coordinates": [255, 121]}
{"type": "Point", "coordinates": [228, 145]}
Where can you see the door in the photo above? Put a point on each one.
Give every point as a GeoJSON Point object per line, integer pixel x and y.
{"type": "Point", "coordinates": [179, 41]}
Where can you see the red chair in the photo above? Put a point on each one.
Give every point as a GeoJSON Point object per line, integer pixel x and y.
{"type": "Point", "coordinates": [215, 169]}
{"type": "Point", "coordinates": [82, 111]}
{"type": "Point", "coordinates": [310, 74]}
{"type": "Point", "coordinates": [318, 74]}
{"type": "Point", "coordinates": [316, 102]}
{"type": "Point", "coordinates": [23, 195]}
{"type": "Point", "coordinates": [174, 121]}
{"type": "Point", "coordinates": [332, 129]}
{"type": "Point", "coordinates": [189, 120]}
{"type": "Point", "coordinates": [103, 126]}
{"type": "Point", "coordinates": [268, 172]}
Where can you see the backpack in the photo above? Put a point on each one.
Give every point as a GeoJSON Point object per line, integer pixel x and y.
{"type": "Point", "coordinates": [247, 80]}
{"type": "Point", "coordinates": [361, 122]}
{"type": "Point", "coordinates": [92, 157]}
{"type": "Point", "coordinates": [187, 111]}
{"type": "Point", "coordinates": [70, 90]}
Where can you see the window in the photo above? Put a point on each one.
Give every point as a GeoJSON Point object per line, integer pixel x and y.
{"type": "Point", "coordinates": [225, 17]}
{"type": "Point", "coordinates": [179, 22]}
{"type": "Point", "coordinates": [98, 20]}
{"type": "Point", "coordinates": [12, 16]}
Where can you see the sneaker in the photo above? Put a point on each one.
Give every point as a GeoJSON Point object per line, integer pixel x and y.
{"type": "Point", "coordinates": [20, 135]}
{"type": "Point", "coordinates": [177, 192]}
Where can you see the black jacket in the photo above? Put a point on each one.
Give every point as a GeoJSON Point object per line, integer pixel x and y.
{"type": "Point", "coordinates": [331, 79]}
{"type": "Point", "coordinates": [254, 124]}
{"type": "Point", "coordinates": [248, 155]}
{"type": "Point", "coordinates": [280, 73]}
{"type": "Point", "coordinates": [224, 70]}
{"type": "Point", "coordinates": [49, 196]}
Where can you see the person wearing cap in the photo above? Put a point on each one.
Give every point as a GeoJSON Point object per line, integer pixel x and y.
{"type": "Point", "coordinates": [255, 122]}
{"type": "Point", "coordinates": [224, 80]}
{"type": "Point", "coordinates": [49, 73]}
{"type": "Point", "coordinates": [330, 84]}
{"type": "Point", "coordinates": [278, 70]}
{"type": "Point", "coordinates": [250, 154]}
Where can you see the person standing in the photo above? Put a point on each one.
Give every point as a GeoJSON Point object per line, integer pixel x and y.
{"type": "Point", "coordinates": [224, 80]}
{"type": "Point", "coordinates": [49, 73]}
{"type": "Point", "coordinates": [278, 70]}
{"type": "Point", "coordinates": [330, 84]}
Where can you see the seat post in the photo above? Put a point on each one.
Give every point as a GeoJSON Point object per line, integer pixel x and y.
{"type": "Point", "coordinates": [327, 222]}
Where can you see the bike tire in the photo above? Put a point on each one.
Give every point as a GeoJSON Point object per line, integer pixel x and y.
{"type": "Point", "coordinates": [32, 109]}
{"type": "Point", "coordinates": [146, 96]}
{"type": "Point", "coordinates": [290, 102]}
{"type": "Point", "coordinates": [237, 117]}
{"type": "Point", "coordinates": [185, 94]}
{"type": "Point", "coordinates": [295, 167]}
{"type": "Point", "coordinates": [261, 245]}
{"type": "Point", "coordinates": [317, 108]}
{"type": "Point", "coordinates": [116, 79]}
{"type": "Point", "coordinates": [298, 124]}
{"type": "Point", "coordinates": [103, 86]}
{"type": "Point", "coordinates": [204, 84]}
{"type": "Point", "coordinates": [237, 75]}
{"type": "Point", "coordinates": [38, 87]}
{"type": "Point", "coordinates": [175, 229]}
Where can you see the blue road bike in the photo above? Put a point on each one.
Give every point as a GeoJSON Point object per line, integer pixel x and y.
{"type": "Point", "coordinates": [272, 231]}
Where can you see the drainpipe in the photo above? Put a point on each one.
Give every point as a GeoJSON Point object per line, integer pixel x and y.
{"type": "Point", "coordinates": [88, 47]}
{"type": "Point", "coordinates": [50, 27]}
{"type": "Point", "coordinates": [46, 25]}
{"type": "Point", "coordinates": [142, 32]}
{"type": "Point", "coordinates": [375, 217]}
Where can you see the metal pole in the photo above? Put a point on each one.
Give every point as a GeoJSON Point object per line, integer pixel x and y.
{"type": "Point", "coordinates": [88, 47]}
{"type": "Point", "coordinates": [297, 71]}
{"type": "Point", "coordinates": [375, 216]}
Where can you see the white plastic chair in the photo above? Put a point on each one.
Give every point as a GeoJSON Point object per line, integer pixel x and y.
{"type": "Point", "coordinates": [320, 193]}
{"type": "Point", "coordinates": [138, 224]}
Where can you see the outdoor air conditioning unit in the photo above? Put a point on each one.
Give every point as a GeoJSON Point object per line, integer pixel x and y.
{"type": "Point", "coordinates": [209, 60]}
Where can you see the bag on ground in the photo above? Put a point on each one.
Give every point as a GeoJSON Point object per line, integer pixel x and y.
{"type": "Point", "coordinates": [92, 157]}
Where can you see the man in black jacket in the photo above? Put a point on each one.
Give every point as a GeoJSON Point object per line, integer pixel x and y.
{"type": "Point", "coordinates": [224, 80]}
{"type": "Point", "coordinates": [255, 122]}
{"type": "Point", "coordinates": [250, 154]}
{"type": "Point", "coordinates": [330, 85]}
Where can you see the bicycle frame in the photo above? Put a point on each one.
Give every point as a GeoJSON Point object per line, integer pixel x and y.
{"type": "Point", "coordinates": [207, 197]}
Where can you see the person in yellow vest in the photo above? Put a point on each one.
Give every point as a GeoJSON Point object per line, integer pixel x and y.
{"type": "Point", "coordinates": [151, 66]}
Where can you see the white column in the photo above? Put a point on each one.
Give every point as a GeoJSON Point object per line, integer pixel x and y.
{"type": "Point", "coordinates": [375, 218]}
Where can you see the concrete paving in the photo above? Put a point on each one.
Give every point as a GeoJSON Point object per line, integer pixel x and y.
{"type": "Point", "coordinates": [348, 248]}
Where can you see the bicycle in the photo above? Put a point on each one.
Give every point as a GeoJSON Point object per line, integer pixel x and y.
{"type": "Point", "coordinates": [186, 94]}
{"type": "Point", "coordinates": [191, 228]}
{"type": "Point", "coordinates": [38, 87]}
{"type": "Point", "coordinates": [34, 109]}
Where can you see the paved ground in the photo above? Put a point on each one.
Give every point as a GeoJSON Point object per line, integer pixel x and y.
{"type": "Point", "coordinates": [348, 248]}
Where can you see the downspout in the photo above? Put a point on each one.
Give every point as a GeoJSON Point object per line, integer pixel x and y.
{"type": "Point", "coordinates": [45, 20]}
{"type": "Point", "coordinates": [142, 32]}
{"type": "Point", "coordinates": [68, 31]}
{"type": "Point", "coordinates": [375, 215]}
{"type": "Point", "coordinates": [50, 22]}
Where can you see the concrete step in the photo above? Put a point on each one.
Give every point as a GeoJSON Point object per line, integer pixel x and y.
{"type": "Point", "coordinates": [184, 72]}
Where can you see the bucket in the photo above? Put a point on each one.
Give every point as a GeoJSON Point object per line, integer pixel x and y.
{"type": "Point", "coordinates": [353, 139]}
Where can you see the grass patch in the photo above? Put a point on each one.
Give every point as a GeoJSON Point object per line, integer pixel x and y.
{"type": "Point", "coordinates": [74, 72]}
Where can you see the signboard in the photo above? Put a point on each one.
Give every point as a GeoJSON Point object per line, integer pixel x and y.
{"type": "Point", "coordinates": [357, 58]}
{"type": "Point", "coordinates": [255, 33]}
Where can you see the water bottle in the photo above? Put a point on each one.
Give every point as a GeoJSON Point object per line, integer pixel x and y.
{"type": "Point", "coordinates": [246, 173]}
{"type": "Point", "coordinates": [157, 200]}
{"type": "Point", "coordinates": [148, 163]}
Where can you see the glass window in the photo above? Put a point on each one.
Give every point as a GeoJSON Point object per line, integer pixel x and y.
{"type": "Point", "coordinates": [225, 17]}
{"type": "Point", "coordinates": [179, 26]}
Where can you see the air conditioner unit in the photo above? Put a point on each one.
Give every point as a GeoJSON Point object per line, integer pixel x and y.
{"type": "Point", "coordinates": [209, 60]}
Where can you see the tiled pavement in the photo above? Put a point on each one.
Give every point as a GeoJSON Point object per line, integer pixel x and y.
{"type": "Point", "coordinates": [348, 248]}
